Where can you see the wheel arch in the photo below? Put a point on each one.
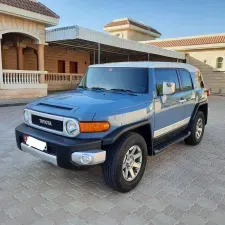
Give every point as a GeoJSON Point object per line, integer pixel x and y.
{"type": "Point", "coordinates": [143, 128]}
{"type": "Point", "coordinates": [203, 107]}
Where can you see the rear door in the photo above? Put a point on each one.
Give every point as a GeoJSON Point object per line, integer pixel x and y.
{"type": "Point", "coordinates": [188, 92]}
{"type": "Point", "coordinates": [169, 109]}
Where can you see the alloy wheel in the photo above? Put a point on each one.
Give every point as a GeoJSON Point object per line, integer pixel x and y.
{"type": "Point", "coordinates": [132, 163]}
{"type": "Point", "coordinates": [199, 128]}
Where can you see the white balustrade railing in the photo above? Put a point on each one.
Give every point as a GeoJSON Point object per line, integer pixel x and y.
{"type": "Point", "coordinates": [21, 77]}
{"type": "Point", "coordinates": [62, 81]}
{"type": "Point", "coordinates": [62, 76]}
{"type": "Point", "coordinates": [13, 79]}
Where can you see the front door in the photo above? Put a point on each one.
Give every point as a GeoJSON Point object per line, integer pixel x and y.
{"type": "Point", "coordinates": [169, 109]}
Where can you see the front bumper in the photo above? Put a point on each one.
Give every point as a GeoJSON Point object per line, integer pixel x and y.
{"type": "Point", "coordinates": [61, 151]}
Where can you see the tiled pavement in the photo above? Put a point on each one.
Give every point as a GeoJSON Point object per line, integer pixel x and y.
{"type": "Point", "coordinates": [182, 185]}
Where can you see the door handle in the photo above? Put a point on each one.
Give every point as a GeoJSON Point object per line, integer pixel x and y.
{"type": "Point", "coordinates": [182, 100]}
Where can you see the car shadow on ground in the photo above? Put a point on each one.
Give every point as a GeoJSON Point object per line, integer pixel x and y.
{"type": "Point", "coordinates": [90, 180]}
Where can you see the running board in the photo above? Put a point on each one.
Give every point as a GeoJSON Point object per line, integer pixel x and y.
{"type": "Point", "coordinates": [178, 138]}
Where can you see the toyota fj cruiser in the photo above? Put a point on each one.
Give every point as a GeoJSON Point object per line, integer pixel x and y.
{"type": "Point", "coordinates": [119, 114]}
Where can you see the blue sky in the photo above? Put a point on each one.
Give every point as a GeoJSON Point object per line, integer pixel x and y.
{"type": "Point", "coordinates": [173, 18]}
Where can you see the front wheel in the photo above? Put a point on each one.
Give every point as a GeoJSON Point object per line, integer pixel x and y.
{"type": "Point", "coordinates": [197, 129]}
{"type": "Point", "coordinates": [125, 162]}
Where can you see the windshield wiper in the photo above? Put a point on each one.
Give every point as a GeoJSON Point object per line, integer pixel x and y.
{"type": "Point", "coordinates": [98, 88]}
{"type": "Point", "coordinates": [83, 87]}
{"type": "Point", "coordinates": [124, 90]}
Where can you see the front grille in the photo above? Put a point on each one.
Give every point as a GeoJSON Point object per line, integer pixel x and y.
{"type": "Point", "coordinates": [47, 123]}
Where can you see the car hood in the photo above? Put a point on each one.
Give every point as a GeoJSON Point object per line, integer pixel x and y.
{"type": "Point", "coordinates": [84, 102]}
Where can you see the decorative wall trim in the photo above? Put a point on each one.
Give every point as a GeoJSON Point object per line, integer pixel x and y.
{"type": "Point", "coordinates": [16, 30]}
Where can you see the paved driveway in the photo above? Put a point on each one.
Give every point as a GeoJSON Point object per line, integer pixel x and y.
{"type": "Point", "coordinates": [182, 185]}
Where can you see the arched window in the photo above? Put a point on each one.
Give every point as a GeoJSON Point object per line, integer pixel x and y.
{"type": "Point", "coordinates": [219, 63]}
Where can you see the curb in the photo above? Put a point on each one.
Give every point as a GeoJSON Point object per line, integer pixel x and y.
{"type": "Point", "coordinates": [15, 102]}
{"type": "Point", "coordinates": [12, 104]}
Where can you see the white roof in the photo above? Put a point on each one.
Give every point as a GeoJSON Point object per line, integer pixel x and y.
{"type": "Point", "coordinates": [149, 65]}
{"type": "Point", "coordinates": [69, 34]}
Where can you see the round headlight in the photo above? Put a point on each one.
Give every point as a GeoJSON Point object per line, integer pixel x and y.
{"type": "Point", "coordinates": [71, 127]}
{"type": "Point", "coordinates": [26, 116]}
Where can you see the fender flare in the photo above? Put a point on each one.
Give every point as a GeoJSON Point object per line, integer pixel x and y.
{"type": "Point", "coordinates": [112, 137]}
{"type": "Point", "coordinates": [197, 106]}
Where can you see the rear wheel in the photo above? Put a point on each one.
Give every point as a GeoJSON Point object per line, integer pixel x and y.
{"type": "Point", "coordinates": [125, 162]}
{"type": "Point", "coordinates": [197, 129]}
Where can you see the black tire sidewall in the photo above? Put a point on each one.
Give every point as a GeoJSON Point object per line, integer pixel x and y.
{"type": "Point", "coordinates": [192, 138]}
{"type": "Point", "coordinates": [119, 180]}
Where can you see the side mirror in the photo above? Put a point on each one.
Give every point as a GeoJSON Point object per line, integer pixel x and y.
{"type": "Point", "coordinates": [169, 88]}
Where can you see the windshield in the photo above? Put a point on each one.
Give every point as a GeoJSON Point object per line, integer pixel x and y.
{"type": "Point", "coordinates": [132, 79]}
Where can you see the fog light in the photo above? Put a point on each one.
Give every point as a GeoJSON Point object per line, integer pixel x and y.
{"type": "Point", "coordinates": [85, 159]}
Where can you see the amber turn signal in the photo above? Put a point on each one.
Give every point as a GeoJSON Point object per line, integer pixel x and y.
{"type": "Point", "coordinates": [91, 127]}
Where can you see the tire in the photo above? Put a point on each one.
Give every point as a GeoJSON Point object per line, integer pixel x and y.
{"type": "Point", "coordinates": [195, 139]}
{"type": "Point", "coordinates": [114, 169]}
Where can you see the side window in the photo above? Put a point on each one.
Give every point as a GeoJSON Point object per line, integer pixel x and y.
{"type": "Point", "coordinates": [166, 75]}
{"type": "Point", "coordinates": [186, 80]}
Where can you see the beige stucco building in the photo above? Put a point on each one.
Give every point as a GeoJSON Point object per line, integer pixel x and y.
{"type": "Point", "coordinates": [131, 30]}
{"type": "Point", "coordinates": [34, 61]}
{"type": "Point", "coordinates": [28, 64]}
{"type": "Point", "coordinates": [206, 52]}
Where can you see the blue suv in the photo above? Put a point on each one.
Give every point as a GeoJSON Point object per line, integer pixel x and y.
{"type": "Point", "coordinates": [119, 114]}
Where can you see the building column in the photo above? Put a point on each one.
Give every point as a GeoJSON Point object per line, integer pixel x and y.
{"type": "Point", "coordinates": [1, 72]}
{"type": "Point", "coordinates": [94, 57]}
{"type": "Point", "coordinates": [99, 53]}
{"type": "Point", "coordinates": [20, 57]}
{"type": "Point", "coordinates": [41, 62]}
{"type": "Point", "coordinates": [187, 57]}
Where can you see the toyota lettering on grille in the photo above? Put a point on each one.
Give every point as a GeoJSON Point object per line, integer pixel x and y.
{"type": "Point", "coordinates": [46, 122]}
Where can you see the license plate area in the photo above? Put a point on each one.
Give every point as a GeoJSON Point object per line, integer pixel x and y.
{"type": "Point", "coordinates": [35, 143]}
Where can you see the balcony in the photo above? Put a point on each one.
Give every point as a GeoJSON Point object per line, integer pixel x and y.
{"type": "Point", "coordinates": [22, 79]}
{"type": "Point", "coordinates": [62, 81]}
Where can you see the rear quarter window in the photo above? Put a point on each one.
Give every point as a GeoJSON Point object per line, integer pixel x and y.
{"type": "Point", "coordinates": [186, 80]}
